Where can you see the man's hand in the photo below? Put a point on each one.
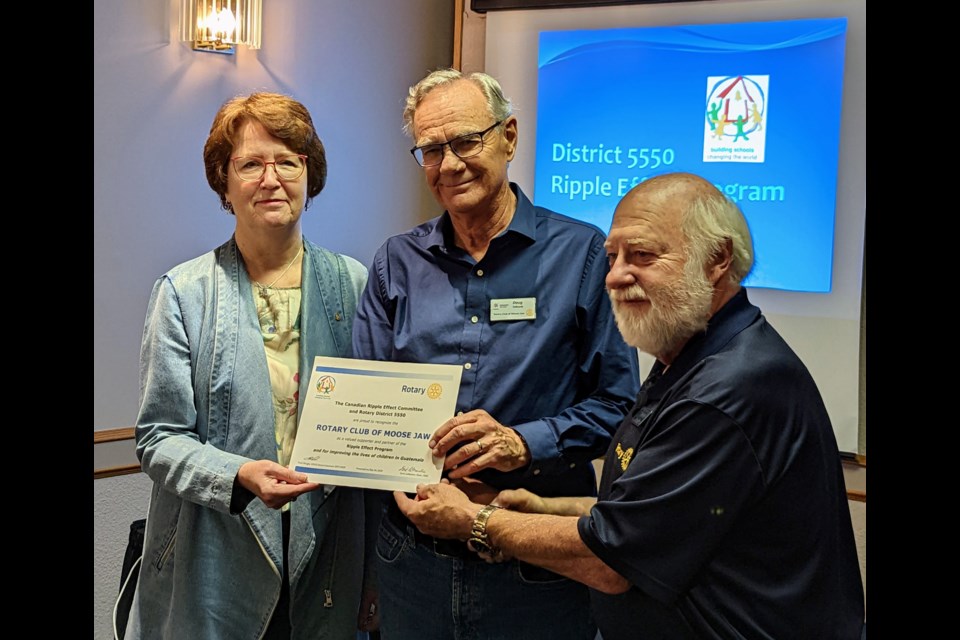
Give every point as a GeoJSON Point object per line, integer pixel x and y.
{"type": "Point", "coordinates": [477, 491]}
{"type": "Point", "coordinates": [275, 485]}
{"type": "Point", "coordinates": [528, 502]}
{"type": "Point", "coordinates": [520, 500]}
{"type": "Point", "coordinates": [488, 444]}
{"type": "Point", "coordinates": [439, 510]}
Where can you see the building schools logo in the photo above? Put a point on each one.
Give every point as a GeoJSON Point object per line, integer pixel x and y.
{"type": "Point", "coordinates": [326, 384]}
{"type": "Point", "coordinates": [735, 119]}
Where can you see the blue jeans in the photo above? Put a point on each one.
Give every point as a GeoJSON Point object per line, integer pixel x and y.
{"type": "Point", "coordinates": [426, 594]}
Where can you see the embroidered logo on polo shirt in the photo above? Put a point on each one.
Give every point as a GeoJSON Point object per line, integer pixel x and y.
{"type": "Point", "coordinates": [624, 456]}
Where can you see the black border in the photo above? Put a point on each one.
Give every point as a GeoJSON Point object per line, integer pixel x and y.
{"type": "Point", "coordinates": [482, 6]}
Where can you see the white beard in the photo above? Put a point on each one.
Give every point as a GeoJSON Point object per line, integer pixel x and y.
{"type": "Point", "coordinates": [676, 311]}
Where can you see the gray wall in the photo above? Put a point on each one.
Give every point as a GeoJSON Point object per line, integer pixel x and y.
{"type": "Point", "coordinates": [117, 502]}
{"type": "Point", "coordinates": [349, 61]}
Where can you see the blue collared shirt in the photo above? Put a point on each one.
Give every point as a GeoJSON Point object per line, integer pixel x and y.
{"type": "Point", "coordinates": [564, 380]}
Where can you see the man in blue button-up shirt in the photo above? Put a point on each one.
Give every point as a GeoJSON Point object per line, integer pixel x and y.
{"type": "Point", "coordinates": [515, 295]}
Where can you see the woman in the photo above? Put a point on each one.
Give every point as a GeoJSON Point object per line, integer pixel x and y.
{"type": "Point", "coordinates": [227, 348]}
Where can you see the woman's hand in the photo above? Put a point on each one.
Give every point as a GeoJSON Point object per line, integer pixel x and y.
{"type": "Point", "coordinates": [275, 485]}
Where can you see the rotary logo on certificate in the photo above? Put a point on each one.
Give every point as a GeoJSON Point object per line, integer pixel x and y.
{"type": "Point", "coordinates": [367, 423]}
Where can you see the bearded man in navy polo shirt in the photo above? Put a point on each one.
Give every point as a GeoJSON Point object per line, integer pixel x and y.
{"type": "Point", "coordinates": [722, 511]}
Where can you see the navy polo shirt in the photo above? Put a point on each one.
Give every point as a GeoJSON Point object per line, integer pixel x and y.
{"type": "Point", "coordinates": [722, 499]}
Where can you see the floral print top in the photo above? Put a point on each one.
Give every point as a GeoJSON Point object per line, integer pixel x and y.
{"type": "Point", "coordinates": [279, 313]}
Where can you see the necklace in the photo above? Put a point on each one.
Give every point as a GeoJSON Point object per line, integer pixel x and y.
{"type": "Point", "coordinates": [264, 291]}
{"type": "Point", "coordinates": [263, 288]}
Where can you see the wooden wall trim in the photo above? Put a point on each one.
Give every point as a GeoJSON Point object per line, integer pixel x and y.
{"type": "Point", "coordinates": [854, 460]}
{"type": "Point", "coordinates": [458, 35]}
{"type": "Point", "coordinates": [857, 496]}
{"type": "Point", "coordinates": [104, 436]}
{"type": "Point", "coordinates": [126, 433]}
{"type": "Point", "coordinates": [854, 465]}
{"type": "Point", "coordinates": [110, 472]}
{"type": "Point", "coordinates": [112, 435]}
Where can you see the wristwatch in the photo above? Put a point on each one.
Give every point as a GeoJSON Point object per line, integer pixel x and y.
{"type": "Point", "coordinates": [478, 533]}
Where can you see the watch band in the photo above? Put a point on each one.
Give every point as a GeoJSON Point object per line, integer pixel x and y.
{"type": "Point", "coordinates": [478, 533]}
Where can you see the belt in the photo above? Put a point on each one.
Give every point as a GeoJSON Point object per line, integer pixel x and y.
{"type": "Point", "coordinates": [452, 548]}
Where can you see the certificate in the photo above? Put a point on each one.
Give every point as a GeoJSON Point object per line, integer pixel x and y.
{"type": "Point", "coordinates": [367, 423]}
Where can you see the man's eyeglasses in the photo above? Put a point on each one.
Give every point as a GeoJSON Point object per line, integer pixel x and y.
{"type": "Point", "coordinates": [250, 169]}
{"type": "Point", "coordinates": [465, 146]}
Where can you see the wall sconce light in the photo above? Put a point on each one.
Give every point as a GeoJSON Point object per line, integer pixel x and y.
{"type": "Point", "coordinates": [219, 25]}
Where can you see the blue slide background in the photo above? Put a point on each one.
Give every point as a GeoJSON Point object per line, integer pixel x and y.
{"type": "Point", "coordinates": [647, 88]}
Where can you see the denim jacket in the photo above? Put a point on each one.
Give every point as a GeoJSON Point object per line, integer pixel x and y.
{"type": "Point", "coordinates": [205, 409]}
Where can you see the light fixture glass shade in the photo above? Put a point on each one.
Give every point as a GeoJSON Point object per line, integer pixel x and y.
{"type": "Point", "coordinates": [220, 25]}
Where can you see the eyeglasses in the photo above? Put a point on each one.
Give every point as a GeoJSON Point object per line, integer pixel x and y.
{"type": "Point", "coordinates": [250, 169]}
{"type": "Point", "coordinates": [465, 146]}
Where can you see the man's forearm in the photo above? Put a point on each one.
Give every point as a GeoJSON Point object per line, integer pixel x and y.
{"type": "Point", "coordinates": [553, 542]}
{"type": "Point", "coordinates": [568, 506]}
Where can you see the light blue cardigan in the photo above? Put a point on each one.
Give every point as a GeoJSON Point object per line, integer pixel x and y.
{"type": "Point", "coordinates": [205, 409]}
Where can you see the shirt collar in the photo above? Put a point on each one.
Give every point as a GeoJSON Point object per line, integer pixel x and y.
{"type": "Point", "coordinates": [727, 322]}
{"type": "Point", "coordinates": [524, 223]}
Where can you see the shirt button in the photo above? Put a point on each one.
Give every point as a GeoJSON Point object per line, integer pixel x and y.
{"type": "Point", "coordinates": [536, 472]}
{"type": "Point", "coordinates": [573, 464]}
{"type": "Point", "coordinates": [459, 413]}
{"type": "Point", "coordinates": [480, 273]}
{"type": "Point", "coordinates": [467, 366]}
{"type": "Point", "coordinates": [474, 319]}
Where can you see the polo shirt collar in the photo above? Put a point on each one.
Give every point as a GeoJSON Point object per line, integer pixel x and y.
{"type": "Point", "coordinates": [731, 319]}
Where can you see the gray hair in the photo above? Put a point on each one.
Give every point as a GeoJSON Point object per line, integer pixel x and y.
{"type": "Point", "coordinates": [711, 219]}
{"type": "Point", "coordinates": [499, 105]}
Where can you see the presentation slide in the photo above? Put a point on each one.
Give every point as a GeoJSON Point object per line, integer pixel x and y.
{"type": "Point", "coordinates": [651, 79]}
{"type": "Point", "coordinates": [752, 106]}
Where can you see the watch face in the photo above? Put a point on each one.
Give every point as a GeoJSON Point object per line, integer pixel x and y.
{"type": "Point", "coordinates": [480, 546]}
